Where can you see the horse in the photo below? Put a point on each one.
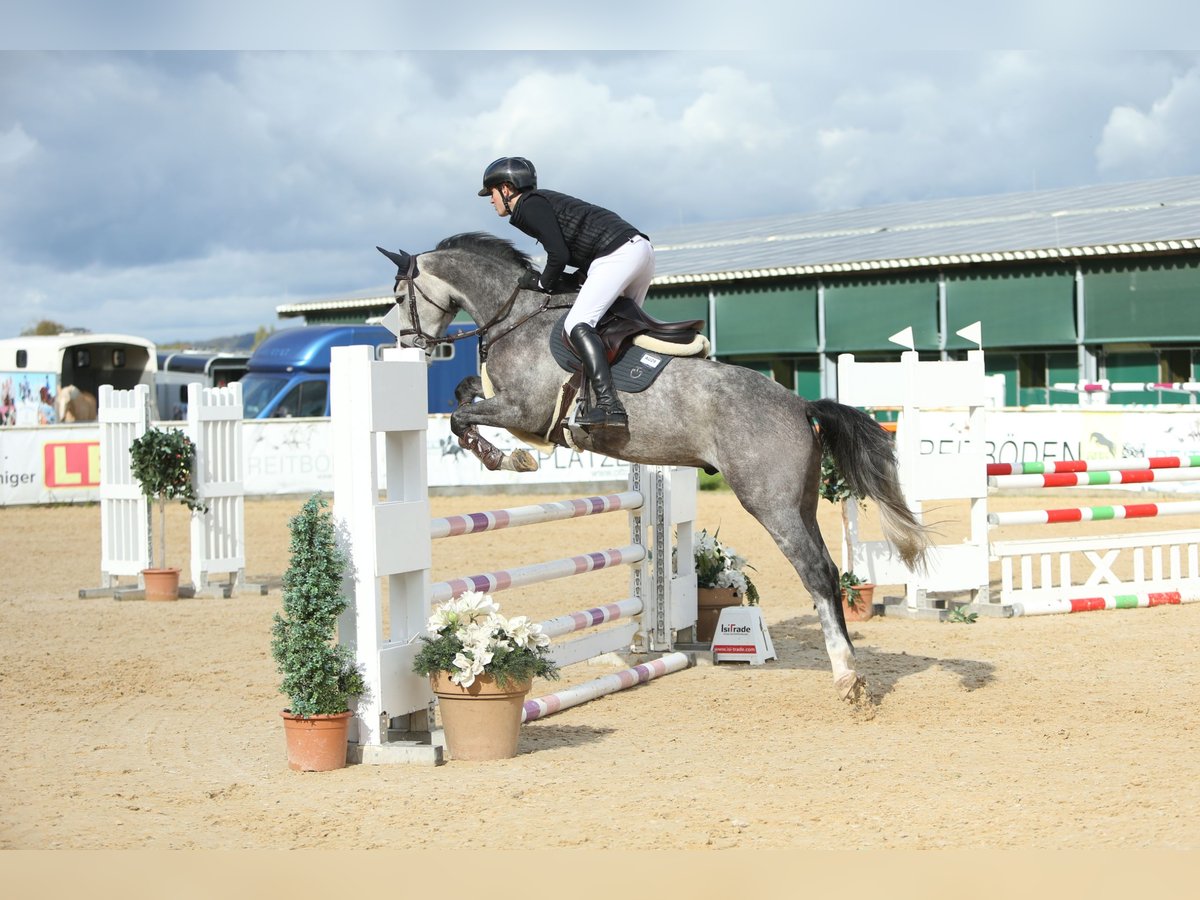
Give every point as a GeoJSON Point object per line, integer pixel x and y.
{"type": "Point", "coordinates": [764, 439]}
{"type": "Point", "coordinates": [72, 404]}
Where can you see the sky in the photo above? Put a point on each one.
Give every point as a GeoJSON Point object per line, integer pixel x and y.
{"type": "Point", "coordinates": [155, 181]}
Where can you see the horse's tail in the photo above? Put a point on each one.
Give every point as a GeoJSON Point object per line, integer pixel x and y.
{"type": "Point", "coordinates": [866, 458]}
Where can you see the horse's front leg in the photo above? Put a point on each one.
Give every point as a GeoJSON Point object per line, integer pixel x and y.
{"type": "Point", "coordinates": [464, 422]}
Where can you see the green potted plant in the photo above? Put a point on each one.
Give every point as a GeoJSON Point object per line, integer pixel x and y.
{"type": "Point", "coordinates": [475, 654]}
{"type": "Point", "coordinates": [161, 461]}
{"type": "Point", "coordinates": [857, 595]}
{"type": "Point", "coordinates": [319, 675]}
{"type": "Point", "coordinates": [721, 581]}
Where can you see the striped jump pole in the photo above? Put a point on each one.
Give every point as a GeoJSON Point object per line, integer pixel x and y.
{"type": "Point", "coordinates": [554, 511]}
{"type": "Point", "coordinates": [590, 618]}
{"type": "Point", "coordinates": [487, 582]}
{"type": "Point", "coordinates": [1109, 387]}
{"type": "Point", "coordinates": [541, 707]}
{"type": "Point", "coordinates": [1088, 479]}
{"type": "Point", "coordinates": [1049, 607]}
{"type": "Point", "coordinates": [1095, 465]}
{"type": "Point", "coordinates": [1093, 513]}
{"type": "Point", "coordinates": [566, 653]}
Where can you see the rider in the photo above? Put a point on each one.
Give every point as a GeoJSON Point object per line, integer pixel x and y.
{"type": "Point", "coordinates": [613, 256]}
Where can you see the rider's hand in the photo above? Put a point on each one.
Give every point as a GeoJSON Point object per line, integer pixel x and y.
{"type": "Point", "coordinates": [531, 281]}
{"type": "Point", "coordinates": [568, 283]}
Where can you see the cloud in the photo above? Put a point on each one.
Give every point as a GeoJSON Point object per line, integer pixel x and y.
{"type": "Point", "coordinates": [1158, 140]}
{"type": "Point", "coordinates": [176, 194]}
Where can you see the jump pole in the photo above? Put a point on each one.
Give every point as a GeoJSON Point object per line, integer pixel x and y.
{"type": "Point", "coordinates": [1091, 479]}
{"type": "Point", "coordinates": [1189, 461]}
{"type": "Point", "coordinates": [1093, 513]}
{"type": "Point", "coordinates": [1046, 607]}
{"type": "Point", "coordinates": [629, 631]}
{"type": "Point", "coordinates": [606, 684]}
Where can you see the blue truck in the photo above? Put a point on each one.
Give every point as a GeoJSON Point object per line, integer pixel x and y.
{"type": "Point", "coordinates": [288, 373]}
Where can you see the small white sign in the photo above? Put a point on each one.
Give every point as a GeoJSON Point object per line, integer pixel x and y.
{"type": "Point", "coordinates": [742, 636]}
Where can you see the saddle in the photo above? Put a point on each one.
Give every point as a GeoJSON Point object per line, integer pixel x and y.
{"type": "Point", "coordinates": [623, 328]}
{"type": "Point", "coordinates": [638, 347]}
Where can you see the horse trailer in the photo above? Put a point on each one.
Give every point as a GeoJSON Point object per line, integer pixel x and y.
{"type": "Point", "coordinates": [179, 368]}
{"type": "Point", "coordinates": [36, 369]}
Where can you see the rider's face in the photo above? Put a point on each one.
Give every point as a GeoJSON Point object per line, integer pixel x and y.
{"type": "Point", "coordinates": [498, 200]}
{"type": "Point", "coordinates": [498, 195]}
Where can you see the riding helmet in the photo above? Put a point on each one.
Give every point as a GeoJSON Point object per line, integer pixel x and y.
{"type": "Point", "coordinates": [515, 170]}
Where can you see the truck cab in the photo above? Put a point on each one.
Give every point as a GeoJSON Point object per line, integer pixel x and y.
{"type": "Point", "coordinates": [288, 373]}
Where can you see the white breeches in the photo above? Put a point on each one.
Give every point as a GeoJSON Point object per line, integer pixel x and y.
{"type": "Point", "coordinates": [624, 272]}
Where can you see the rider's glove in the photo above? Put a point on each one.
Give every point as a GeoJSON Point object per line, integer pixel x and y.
{"type": "Point", "coordinates": [568, 283]}
{"type": "Point", "coordinates": [531, 281]}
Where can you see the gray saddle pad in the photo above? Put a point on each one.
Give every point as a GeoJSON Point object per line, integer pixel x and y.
{"type": "Point", "coordinates": [633, 371]}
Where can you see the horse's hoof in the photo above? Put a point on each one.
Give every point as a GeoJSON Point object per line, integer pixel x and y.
{"type": "Point", "coordinates": [524, 461]}
{"type": "Point", "coordinates": [851, 687]}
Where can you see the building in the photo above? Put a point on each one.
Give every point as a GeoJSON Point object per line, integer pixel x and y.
{"type": "Point", "coordinates": [1071, 285]}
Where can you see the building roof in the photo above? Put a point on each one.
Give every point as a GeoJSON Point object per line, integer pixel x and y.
{"type": "Point", "coordinates": [1100, 220]}
{"type": "Point", "coordinates": [1128, 219]}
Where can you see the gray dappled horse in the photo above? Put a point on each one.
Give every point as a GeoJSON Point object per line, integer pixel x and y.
{"type": "Point", "coordinates": [698, 412]}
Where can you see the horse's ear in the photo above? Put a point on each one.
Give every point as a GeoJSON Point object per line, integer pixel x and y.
{"type": "Point", "coordinates": [400, 258]}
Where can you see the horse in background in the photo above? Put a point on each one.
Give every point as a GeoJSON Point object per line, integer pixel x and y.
{"type": "Point", "coordinates": [73, 404]}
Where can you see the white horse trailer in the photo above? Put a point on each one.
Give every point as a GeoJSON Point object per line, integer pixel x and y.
{"type": "Point", "coordinates": [35, 368]}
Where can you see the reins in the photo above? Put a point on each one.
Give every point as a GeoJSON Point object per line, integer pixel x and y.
{"type": "Point", "coordinates": [423, 340]}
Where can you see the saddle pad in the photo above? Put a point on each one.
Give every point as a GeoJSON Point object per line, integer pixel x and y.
{"type": "Point", "coordinates": [633, 371]}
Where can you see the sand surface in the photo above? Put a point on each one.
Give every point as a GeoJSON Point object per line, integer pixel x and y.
{"type": "Point", "coordinates": [136, 724]}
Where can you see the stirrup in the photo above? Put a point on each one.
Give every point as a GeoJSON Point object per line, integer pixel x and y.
{"type": "Point", "coordinates": [599, 417]}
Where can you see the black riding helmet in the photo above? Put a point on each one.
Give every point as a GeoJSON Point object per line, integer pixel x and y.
{"type": "Point", "coordinates": [515, 170]}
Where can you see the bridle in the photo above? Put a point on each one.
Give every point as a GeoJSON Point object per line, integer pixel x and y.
{"type": "Point", "coordinates": [422, 340]}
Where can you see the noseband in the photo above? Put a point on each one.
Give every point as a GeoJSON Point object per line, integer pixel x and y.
{"type": "Point", "coordinates": [423, 340]}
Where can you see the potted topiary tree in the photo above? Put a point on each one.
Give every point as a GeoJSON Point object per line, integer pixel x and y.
{"type": "Point", "coordinates": [319, 676]}
{"type": "Point", "coordinates": [161, 461]}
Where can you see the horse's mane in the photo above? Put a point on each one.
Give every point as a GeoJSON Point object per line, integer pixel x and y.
{"type": "Point", "coordinates": [485, 244]}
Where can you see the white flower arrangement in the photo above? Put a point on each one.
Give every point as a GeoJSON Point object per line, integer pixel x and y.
{"type": "Point", "coordinates": [719, 566]}
{"type": "Point", "coordinates": [471, 638]}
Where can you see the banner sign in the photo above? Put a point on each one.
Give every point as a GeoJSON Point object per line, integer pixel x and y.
{"type": "Point", "coordinates": [61, 463]}
{"type": "Point", "coordinates": [1054, 434]}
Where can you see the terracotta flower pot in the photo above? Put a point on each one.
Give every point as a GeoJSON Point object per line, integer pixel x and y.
{"type": "Point", "coordinates": [709, 603]}
{"type": "Point", "coordinates": [316, 743]}
{"type": "Point", "coordinates": [864, 608]}
{"type": "Point", "coordinates": [483, 721]}
{"type": "Point", "coordinates": [161, 584]}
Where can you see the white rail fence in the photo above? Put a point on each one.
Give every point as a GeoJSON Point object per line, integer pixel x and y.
{"type": "Point", "coordinates": [218, 536]}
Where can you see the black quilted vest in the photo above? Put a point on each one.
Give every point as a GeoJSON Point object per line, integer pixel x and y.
{"type": "Point", "coordinates": [590, 231]}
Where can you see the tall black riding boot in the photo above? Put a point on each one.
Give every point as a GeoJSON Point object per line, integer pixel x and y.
{"type": "Point", "coordinates": [607, 411]}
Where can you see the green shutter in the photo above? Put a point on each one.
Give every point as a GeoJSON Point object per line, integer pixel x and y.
{"type": "Point", "coordinates": [766, 319]}
{"type": "Point", "coordinates": [862, 315]}
{"type": "Point", "coordinates": [1018, 307]}
{"type": "Point", "coordinates": [808, 377]}
{"type": "Point", "coordinates": [1146, 302]}
{"type": "Point", "coordinates": [678, 306]}
{"type": "Point", "coordinates": [1004, 364]}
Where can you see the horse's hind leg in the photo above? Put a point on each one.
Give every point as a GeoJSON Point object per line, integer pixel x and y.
{"type": "Point", "coordinates": [799, 537]}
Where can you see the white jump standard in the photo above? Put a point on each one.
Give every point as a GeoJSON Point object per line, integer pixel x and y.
{"type": "Point", "coordinates": [1037, 577]}
{"type": "Point", "coordinates": [391, 538]}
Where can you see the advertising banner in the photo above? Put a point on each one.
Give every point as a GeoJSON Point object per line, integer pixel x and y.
{"type": "Point", "coordinates": [60, 463]}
